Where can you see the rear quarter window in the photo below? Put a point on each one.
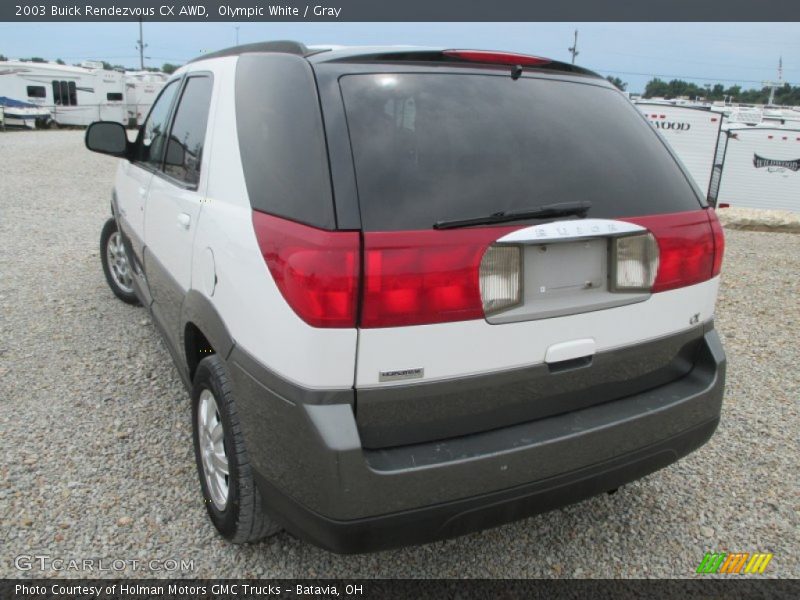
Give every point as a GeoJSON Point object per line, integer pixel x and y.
{"type": "Point", "coordinates": [281, 139]}
{"type": "Point", "coordinates": [430, 147]}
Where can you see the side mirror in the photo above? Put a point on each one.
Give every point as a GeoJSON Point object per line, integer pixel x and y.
{"type": "Point", "coordinates": [108, 137]}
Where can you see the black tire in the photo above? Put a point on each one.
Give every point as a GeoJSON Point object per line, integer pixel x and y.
{"type": "Point", "coordinates": [242, 520]}
{"type": "Point", "coordinates": [125, 294]}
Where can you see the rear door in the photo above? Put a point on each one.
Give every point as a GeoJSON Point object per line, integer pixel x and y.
{"type": "Point", "coordinates": [564, 329]}
{"type": "Point", "coordinates": [174, 201]}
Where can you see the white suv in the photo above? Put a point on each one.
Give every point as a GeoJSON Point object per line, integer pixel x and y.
{"type": "Point", "coordinates": [415, 292]}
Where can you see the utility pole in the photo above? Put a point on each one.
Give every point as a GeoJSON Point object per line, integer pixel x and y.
{"type": "Point", "coordinates": [774, 85]}
{"type": "Point", "coordinates": [140, 45]}
{"type": "Point", "coordinates": [574, 48]}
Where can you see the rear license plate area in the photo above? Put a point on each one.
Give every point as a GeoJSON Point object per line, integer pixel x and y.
{"type": "Point", "coordinates": [565, 277]}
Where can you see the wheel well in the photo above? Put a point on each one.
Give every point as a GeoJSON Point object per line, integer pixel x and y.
{"type": "Point", "coordinates": [197, 347]}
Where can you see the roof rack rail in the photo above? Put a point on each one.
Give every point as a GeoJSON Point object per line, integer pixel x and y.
{"type": "Point", "coordinates": [282, 46]}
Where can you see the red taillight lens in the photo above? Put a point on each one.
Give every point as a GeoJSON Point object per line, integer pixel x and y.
{"type": "Point", "coordinates": [498, 58]}
{"type": "Point", "coordinates": [317, 271]}
{"type": "Point", "coordinates": [719, 241]}
{"type": "Point", "coordinates": [421, 277]}
{"type": "Point", "coordinates": [686, 245]}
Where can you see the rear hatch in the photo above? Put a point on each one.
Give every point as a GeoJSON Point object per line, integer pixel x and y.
{"type": "Point", "coordinates": [530, 247]}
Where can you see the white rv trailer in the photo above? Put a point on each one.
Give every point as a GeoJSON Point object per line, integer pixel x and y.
{"type": "Point", "coordinates": [141, 90]}
{"type": "Point", "coordinates": [73, 95]}
{"type": "Point", "coordinates": [81, 95]}
{"type": "Point", "coordinates": [692, 132]}
{"type": "Point", "coordinates": [760, 168]}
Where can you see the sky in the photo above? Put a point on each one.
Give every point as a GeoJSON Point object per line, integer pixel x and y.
{"type": "Point", "coordinates": [729, 53]}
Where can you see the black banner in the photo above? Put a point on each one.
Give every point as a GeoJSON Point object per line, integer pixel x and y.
{"type": "Point", "coordinates": [741, 588]}
{"type": "Point", "coordinates": [407, 10]}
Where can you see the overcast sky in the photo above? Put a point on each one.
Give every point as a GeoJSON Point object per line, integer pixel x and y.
{"type": "Point", "coordinates": [730, 53]}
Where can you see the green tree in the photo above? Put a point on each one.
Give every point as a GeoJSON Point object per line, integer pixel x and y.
{"type": "Point", "coordinates": [616, 81]}
{"type": "Point", "coordinates": [169, 68]}
{"type": "Point", "coordinates": [60, 62]}
{"type": "Point", "coordinates": [3, 57]}
{"type": "Point", "coordinates": [33, 59]}
{"type": "Point", "coordinates": [656, 87]}
{"type": "Point", "coordinates": [734, 92]}
{"type": "Point", "coordinates": [109, 67]}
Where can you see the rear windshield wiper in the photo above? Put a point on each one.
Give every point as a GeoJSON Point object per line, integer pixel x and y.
{"type": "Point", "coordinates": [561, 209]}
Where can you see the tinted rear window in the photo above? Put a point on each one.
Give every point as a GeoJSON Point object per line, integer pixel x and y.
{"type": "Point", "coordinates": [430, 147]}
{"type": "Point", "coordinates": [281, 139]}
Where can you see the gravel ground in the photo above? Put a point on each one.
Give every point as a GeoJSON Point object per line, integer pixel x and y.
{"type": "Point", "coordinates": [95, 424]}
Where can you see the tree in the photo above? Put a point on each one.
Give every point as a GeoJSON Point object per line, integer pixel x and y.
{"type": "Point", "coordinates": [169, 68]}
{"type": "Point", "coordinates": [33, 59]}
{"type": "Point", "coordinates": [109, 67]}
{"type": "Point", "coordinates": [60, 62]}
{"type": "Point", "coordinates": [656, 87]}
{"type": "Point", "coordinates": [3, 57]}
{"type": "Point", "coordinates": [620, 85]}
{"type": "Point", "coordinates": [786, 95]}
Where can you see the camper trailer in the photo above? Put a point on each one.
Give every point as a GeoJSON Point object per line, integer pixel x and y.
{"type": "Point", "coordinates": [141, 90]}
{"type": "Point", "coordinates": [692, 132]}
{"type": "Point", "coordinates": [80, 95]}
{"type": "Point", "coordinates": [760, 168]}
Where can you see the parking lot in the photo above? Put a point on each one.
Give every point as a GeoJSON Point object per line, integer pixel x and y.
{"type": "Point", "coordinates": [96, 429]}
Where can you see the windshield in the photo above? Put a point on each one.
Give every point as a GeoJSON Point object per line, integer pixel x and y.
{"type": "Point", "coordinates": [433, 147]}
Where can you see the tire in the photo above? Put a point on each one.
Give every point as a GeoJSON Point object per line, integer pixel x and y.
{"type": "Point", "coordinates": [235, 508]}
{"type": "Point", "coordinates": [116, 267]}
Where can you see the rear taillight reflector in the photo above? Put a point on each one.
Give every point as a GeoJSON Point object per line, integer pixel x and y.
{"type": "Point", "coordinates": [498, 58]}
{"type": "Point", "coordinates": [316, 271]}
{"type": "Point", "coordinates": [501, 278]}
{"type": "Point", "coordinates": [686, 248]}
{"type": "Point", "coordinates": [634, 262]}
{"type": "Point", "coordinates": [423, 277]}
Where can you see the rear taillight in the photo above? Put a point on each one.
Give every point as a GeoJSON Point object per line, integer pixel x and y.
{"type": "Point", "coordinates": [501, 278]}
{"type": "Point", "coordinates": [719, 241]}
{"type": "Point", "coordinates": [438, 276]}
{"type": "Point", "coordinates": [316, 271]}
{"type": "Point", "coordinates": [634, 262]}
{"type": "Point", "coordinates": [422, 277]}
{"type": "Point", "coordinates": [686, 248]}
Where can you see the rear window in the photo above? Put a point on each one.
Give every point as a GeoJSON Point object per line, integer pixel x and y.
{"type": "Point", "coordinates": [431, 147]}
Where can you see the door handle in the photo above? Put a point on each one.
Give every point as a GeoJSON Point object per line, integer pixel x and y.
{"type": "Point", "coordinates": [184, 221]}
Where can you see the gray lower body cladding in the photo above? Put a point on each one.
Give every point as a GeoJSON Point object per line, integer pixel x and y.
{"type": "Point", "coordinates": [320, 481]}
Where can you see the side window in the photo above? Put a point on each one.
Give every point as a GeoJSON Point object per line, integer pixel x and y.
{"type": "Point", "coordinates": [185, 147]}
{"type": "Point", "coordinates": [36, 91]}
{"type": "Point", "coordinates": [57, 99]}
{"type": "Point", "coordinates": [154, 131]}
{"type": "Point", "coordinates": [65, 93]}
{"type": "Point", "coordinates": [114, 97]}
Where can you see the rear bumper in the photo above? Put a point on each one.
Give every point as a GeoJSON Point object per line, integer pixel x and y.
{"type": "Point", "coordinates": [318, 480]}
